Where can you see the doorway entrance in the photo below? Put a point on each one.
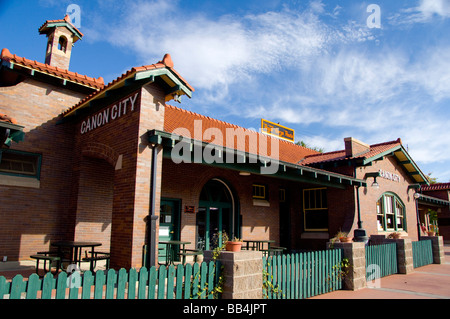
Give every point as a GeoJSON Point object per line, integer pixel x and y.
{"type": "Point", "coordinates": [169, 228]}
{"type": "Point", "coordinates": [215, 214]}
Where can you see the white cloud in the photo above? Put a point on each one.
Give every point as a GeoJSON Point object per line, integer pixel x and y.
{"type": "Point", "coordinates": [425, 12]}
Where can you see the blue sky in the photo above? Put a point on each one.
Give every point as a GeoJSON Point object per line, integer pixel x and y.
{"type": "Point", "coordinates": [319, 67]}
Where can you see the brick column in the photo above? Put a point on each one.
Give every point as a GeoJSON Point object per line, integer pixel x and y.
{"type": "Point", "coordinates": [356, 254]}
{"type": "Point", "coordinates": [243, 274]}
{"type": "Point", "coordinates": [404, 255]}
{"type": "Point", "coordinates": [438, 248]}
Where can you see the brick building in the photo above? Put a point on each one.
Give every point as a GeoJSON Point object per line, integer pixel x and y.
{"type": "Point", "coordinates": [118, 164]}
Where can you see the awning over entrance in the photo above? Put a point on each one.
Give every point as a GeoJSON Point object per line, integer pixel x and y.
{"type": "Point", "coordinates": [233, 159]}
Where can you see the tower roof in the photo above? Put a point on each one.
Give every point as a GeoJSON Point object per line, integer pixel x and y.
{"type": "Point", "coordinates": [49, 25]}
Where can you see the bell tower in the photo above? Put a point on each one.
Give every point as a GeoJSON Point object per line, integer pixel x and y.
{"type": "Point", "coordinates": [61, 36]}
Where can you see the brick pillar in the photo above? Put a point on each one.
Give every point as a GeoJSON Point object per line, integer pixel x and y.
{"type": "Point", "coordinates": [438, 248]}
{"type": "Point", "coordinates": [356, 254]}
{"type": "Point", "coordinates": [243, 273]}
{"type": "Point", "coordinates": [404, 254]}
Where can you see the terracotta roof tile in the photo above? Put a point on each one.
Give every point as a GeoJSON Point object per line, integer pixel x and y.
{"type": "Point", "coordinates": [66, 19]}
{"type": "Point", "coordinates": [52, 70]}
{"type": "Point", "coordinates": [175, 118]}
{"type": "Point", "coordinates": [436, 187]}
{"type": "Point", "coordinates": [374, 150]}
{"type": "Point", "coordinates": [7, 119]}
{"type": "Point", "coordinates": [165, 63]}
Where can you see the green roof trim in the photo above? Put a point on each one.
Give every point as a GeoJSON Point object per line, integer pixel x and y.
{"type": "Point", "coordinates": [408, 161]}
{"type": "Point", "coordinates": [16, 133]}
{"type": "Point", "coordinates": [249, 162]}
{"type": "Point", "coordinates": [433, 200]}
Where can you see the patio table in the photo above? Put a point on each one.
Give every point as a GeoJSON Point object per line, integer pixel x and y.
{"type": "Point", "coordinates": [75, 248]}
{"type": "Point", "coordinates": [171, 252]}
{"type": "Point", "coordinates": [255, 244]}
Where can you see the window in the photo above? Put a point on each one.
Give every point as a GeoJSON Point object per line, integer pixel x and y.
{"type": "Point", "coordinates": [259, 191]}
{"type": "Point", "coordinates": [315, 209]}
{"type": "Point", "coordinates": [62, 44]}
{"type": "Point", "coordinates": [390, 213]}
{"type": "Point", "coordinates": [20, 163]}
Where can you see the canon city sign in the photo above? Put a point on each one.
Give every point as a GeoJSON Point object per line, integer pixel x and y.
{"type": "Point", "coordinates": [109, 114]}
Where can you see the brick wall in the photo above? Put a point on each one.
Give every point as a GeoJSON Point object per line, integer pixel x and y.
{"type": "Point", "coordinates": [33, 217]}
{"type": "Point", "coordinates": [370, 195]}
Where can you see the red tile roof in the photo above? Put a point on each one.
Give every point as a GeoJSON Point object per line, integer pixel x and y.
{"type": "Point", "coordinates": [52, 70]}
{"type": "Point", "coordinates": [175, 117]}
{"type": "Point", "coordinates": [44, 27]}
{"type": "Point", "coordinates": [165, 63]}
{"type": "Point", "coordinates": [436, 187]}
{"type": "Point", "coordinates": [340, 155]}
{"type": "Point", "coordinates": [7, 119]}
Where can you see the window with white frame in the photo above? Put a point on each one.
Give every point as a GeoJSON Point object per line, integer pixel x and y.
{"type": "Point", "coordinates": [390, 213]}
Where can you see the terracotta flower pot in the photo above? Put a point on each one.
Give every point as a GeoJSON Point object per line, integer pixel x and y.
{"type": "Point", "coordinates": [345, 239]}
{"type": "Point", "coordinates": [233, 246]}
{"type": "Point", "coordinates": [431, 233]}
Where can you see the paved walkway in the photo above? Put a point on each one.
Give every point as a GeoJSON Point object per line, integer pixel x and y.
{"type": "Point", "coordinates": [428, 282]}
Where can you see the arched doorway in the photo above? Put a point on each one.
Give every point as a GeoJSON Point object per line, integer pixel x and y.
{"type": "Point", "coordinates": [216, 212]}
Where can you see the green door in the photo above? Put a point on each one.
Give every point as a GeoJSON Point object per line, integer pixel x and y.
{"type": "Point", "coordinates": [215, 215]}
{"type": "Point", "coordinates": [168, 224]}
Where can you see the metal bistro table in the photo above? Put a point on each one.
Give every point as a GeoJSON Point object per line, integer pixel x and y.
{"type": "Point", "coordinates": [171, 245]}
{"type": "Point", "coordinates": [75, 248]}
{"type": "Point", "coordinates": [253, 244]}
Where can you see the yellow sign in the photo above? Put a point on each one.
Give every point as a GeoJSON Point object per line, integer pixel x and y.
{"type": "Point", "coordinates": [277, 130]}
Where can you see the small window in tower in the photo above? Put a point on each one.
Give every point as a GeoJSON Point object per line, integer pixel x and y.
{"type": "Point", "coordinates": [62, 44]}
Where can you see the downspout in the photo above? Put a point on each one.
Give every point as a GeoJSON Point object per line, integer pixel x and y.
{"type": "Point", "coordinates": [151, 231]}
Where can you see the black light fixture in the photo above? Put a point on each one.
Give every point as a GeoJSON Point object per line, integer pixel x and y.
{"type": "Point", "coordinates": [374, 175]}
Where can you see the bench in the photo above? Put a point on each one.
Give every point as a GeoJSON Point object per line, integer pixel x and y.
{"type": "Point", "coordinates": [190, 252]}
{"type": "Point", "coordinates": [46, 256]}
{"type": "Point", "coordinates": [97, 255]}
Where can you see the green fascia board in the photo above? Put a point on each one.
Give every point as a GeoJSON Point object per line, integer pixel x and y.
{"type": "Point", "coordinates": [164, 71]}
{"type": "Point", "coordinates": [433, 200]}
{"type": "Point", "coordinates": [409, 160]}
{"type": "Point", "coordinates": [252, 162]}
{"type": "Point", "coordinates": [63, 24]}
{"type": "Point", "coordinates": [16, 135]}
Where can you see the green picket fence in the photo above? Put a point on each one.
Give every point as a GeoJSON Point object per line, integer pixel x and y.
{"type": "Point", "coordinates": [422, 253]}
{"type": "Point", "coordinates": [302, 275]}
{"type": "Point", "coordinates": [381, 261]}
{"type": "Point", "coordinates": [188, 281]}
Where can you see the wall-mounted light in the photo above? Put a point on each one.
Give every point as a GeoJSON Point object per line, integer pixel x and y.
{"type": "Point", "coordinates": [374, 175]}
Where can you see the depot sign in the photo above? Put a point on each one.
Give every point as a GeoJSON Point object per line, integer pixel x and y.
{"type": "Point", "coordinates": [109, 114]}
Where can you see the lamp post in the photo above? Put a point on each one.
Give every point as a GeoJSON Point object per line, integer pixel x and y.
{"type": "Point", "coordinates": [360, 234]}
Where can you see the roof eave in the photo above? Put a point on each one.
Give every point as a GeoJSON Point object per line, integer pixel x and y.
{"type": "Point", "coordinates": [140, 78]}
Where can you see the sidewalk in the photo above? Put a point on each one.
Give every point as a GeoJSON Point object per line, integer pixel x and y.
{"type": "Point", "coordinates": [428, 282]}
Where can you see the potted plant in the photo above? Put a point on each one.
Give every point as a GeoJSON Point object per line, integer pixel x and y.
{"type": "Point", "coordinates": [432, 231]}
{"type": "Point", "coordinates": [234, 245]}
{"type": "Point", "coordinates": [343, 237]}
{"type": "Point", "coordinates": [394, 235]}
